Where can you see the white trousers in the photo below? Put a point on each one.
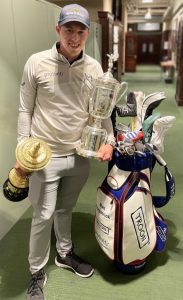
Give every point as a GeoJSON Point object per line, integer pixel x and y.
{"type": "Point", "coordinates": [53, 193]}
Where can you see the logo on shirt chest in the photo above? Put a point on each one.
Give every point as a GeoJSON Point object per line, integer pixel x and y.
{"type": "Point", "coordinates": [53, 74]}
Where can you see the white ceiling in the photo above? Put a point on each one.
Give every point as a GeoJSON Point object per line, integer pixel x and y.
{"type": "Point", "coordinates": [137, 8]}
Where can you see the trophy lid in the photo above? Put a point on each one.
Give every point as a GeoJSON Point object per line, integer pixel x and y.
{"type": "Point", "coordinates": [33, 154]}
{"type": "Point", "coordinates": [108, 75]}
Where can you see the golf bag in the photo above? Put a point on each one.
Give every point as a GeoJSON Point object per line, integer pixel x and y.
{"type": "Point", "coordinates": [127, 225]}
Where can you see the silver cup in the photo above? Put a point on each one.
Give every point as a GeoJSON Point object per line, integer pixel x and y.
{"type": "Point", "coordinates": [104, 93]}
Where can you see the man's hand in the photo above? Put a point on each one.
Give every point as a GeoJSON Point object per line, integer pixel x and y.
{"type": "Point", "coordinates": [19, 170]}
{"type": "Point", "coordinates": [105, 152]}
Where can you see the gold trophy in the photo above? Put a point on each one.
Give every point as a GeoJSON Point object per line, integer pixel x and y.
{"type": "Point", "coordinates": [104, 93]}
{"type": "Point", "coordinates": [32, 154]}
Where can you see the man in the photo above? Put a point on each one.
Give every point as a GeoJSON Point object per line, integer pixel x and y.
{"type": "Point", "coordinates": [53, 108]}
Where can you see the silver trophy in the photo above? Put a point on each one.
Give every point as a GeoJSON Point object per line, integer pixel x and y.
{"type": "Point", "coordinates": [104, 93]}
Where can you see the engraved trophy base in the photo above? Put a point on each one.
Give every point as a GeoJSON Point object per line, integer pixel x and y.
{"type": "Point", "coordinates": [16, 187]}
{"type": "Point", "coordinates": [14, 193]}
{"type": "Point", "coordinates": [91, 141]}
{"type": "Point", "coordinates": [86, 153]}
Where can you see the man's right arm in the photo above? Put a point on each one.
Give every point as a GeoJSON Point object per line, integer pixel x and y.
{"type": "Point", "coordinates": [28, 91]}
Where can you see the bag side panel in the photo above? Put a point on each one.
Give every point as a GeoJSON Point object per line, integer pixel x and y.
{"type": "Point", "coordinates": [105, 219]}
{"type": "Point", "coordinates": [161, 229]}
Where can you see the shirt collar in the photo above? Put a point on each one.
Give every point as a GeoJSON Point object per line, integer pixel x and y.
{"type": "Point", "coordinates": [62, 58]}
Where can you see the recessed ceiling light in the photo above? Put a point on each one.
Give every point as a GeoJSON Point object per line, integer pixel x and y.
{"type": "Point", "coordinates": [148, 14]}
{"type": "Point", "coordinates": [147, 1]}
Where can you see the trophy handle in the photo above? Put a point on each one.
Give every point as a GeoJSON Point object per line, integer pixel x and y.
{"type": "Point", "coordinates": [122, 90]}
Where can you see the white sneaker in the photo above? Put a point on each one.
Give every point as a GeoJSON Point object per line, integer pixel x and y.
{"type": "Point", "coordinates": [160, 127]}
{"type": "Point", "coordinates": [150, 102]}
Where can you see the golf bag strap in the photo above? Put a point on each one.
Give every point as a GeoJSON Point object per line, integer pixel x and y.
{"type": "Point", "coordinates": [160, 201]}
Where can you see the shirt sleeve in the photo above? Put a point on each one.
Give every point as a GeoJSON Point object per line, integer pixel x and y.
{"type": "Point", "coordinates": [107, 124]}
{"type": "Point", "coordinates": [28, 90]}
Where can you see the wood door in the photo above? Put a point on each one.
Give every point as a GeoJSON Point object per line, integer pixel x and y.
{"type": "Point", "coordinates": [149, 49]}
{"type": "Point", "coordinates": [131, 52]}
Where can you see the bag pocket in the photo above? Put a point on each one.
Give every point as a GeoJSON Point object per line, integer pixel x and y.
{"type": "Point", "coordinates": [161, 229]}
{"type": "Point", "coordinates": [117, 177]}
{"type": "Point", "coordinates": [105, 220]}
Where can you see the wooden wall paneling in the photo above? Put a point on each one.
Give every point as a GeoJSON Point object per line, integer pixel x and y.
{"type": "Point", "coordinates": [179, 63]}
{"type": "Point", "coordinates": [106, 19]}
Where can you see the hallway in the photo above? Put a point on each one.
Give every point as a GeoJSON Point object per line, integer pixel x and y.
{"type": "Point", "coordinates": [162, 278]}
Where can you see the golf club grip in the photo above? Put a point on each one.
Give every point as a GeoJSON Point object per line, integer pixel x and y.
{"type": "Point", "coordinates": [160, 159]}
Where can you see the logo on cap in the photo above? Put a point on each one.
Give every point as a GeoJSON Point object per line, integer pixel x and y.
{"type": "Point", "coordinates": [75, 11]}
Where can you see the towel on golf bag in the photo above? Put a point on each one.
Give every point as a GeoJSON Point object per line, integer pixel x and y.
{"type": "Point", "coordinates": [127, 226]}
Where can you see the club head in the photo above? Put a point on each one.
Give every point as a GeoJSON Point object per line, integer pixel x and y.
{"type": "Point", "coordinates": [150, 102]}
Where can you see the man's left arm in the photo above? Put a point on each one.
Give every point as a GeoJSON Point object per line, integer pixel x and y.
{"type": "Point", "coordinates": [106, 150]}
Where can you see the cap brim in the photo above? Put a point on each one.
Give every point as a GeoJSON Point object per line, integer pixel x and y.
{"type": "Point", "coordinates": [73, 20]}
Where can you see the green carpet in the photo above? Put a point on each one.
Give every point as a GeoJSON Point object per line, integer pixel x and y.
{"type": "Point", "coordinates": [163, 275]}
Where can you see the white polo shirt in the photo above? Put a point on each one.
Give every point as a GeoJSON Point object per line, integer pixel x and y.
{"type": "Point", "coordinates": [53, 100]}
